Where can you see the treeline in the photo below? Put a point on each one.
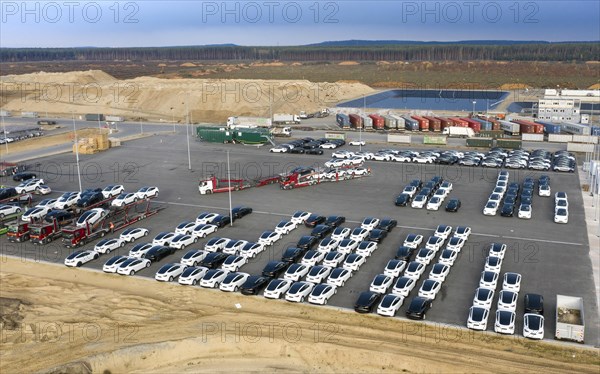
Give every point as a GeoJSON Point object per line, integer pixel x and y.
{"type": "Point", "coordinates": [521, 52]}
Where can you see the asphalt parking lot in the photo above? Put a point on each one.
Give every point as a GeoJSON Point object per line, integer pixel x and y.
{"type": "Point", "coordinates": [552, 258]}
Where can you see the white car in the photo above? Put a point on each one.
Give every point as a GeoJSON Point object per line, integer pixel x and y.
{"type": "Point", "coordinates": [43, 190]}
{"type": "Point", "coordinates": [112, 190]}
{"type": "Point", "coordinates": [533, 326]}
{"type": "Point", "coordinates": [124, 199]}
{"type": "Point", "coordinates": [285, 227]}
{"type": "Point", "coordinates": [357, 142]}
{"type": "Point", "coordinates": [233, 281]}
{"type": "Point", "coordinates": [147, 192]}
{"type": "Point", "coordinates": [333, 259]}
{"type": "Point", "coordinates": [250, 250]}
{"type": "Point", "coordinates": [403, 286]}
{"type": "Point", "coordinates": [338, 277]}
{"type": "Point", "coordinates": [359, 234]}
{"type": "Point", "coordinates": [108, 245]}
{"type": "Point", "coordinates": [419, 202]}
{"type": "Point", "coordinates": [277, 288]}
{"type": "Point", "coordinates": [321, 293]}
{"type": "Point", "coordinates": [140, 250]}
{"type": "Point", "coordinates": [358, 171]}
{"type": "Point", "coordinates": [447, 186]}
{"type": "Point", "coordinates": [34, 214]}
{"type": "Point", "coordinates": [168, 272]}
{"type": "Point", "coordinates": [423, 159]}
{"type": "Point", "coordinates": [524, 211]}
{"type": "Point", "coordinates": [413, 240]}
{"type": "Point", "coordinates": [434, 203]}
{"type": "Point", "coordinates": [91, 217]}
{"type": "Point", "coordinates": [279, 149]}
{"type": "Point", "coordinates": [193, 257]}
{"type": "Point", "coordinates": [206, 217]}
{"type": "Point", "coordinates": [213, 278]}
{"type": "Point", "coordinates": [335, 163]}
{"type": "Point", "coordinates": [366, 248]}
{"type": "Point", "coordinates": [439, 272]}
{"type": "Point", "coordinates": [382, 157]}
{"type": "Point", "coordinates": [425, 256]}
{"type": "Point", "coordinates": [234, 246]}
{"type": "Point", "coordinates": [202, 230]}
{"type": "Point", "coordinates": [492, 263]}
{"type": "Point", "coordinates": [505, 322]}
{"type": "Point", "coordinates": [491, 208]}
{"type": "Point", "coordinates": [410, 190]}
{"type": "Point", "coordinates": [483, 297]}
{"type": "Point", "coordinates": [216, 244]}
{"type": "Point", "coordinates": [393, 268]}
{"type": "Point", "coordinates": [462, 232]}
{"type": "Point", "coordinates": [497, 250]}
{"type": "Point", "coordinates": [328, 146]}
{"type": "Point", "coordinates": [192, 275]}
{"type": "Point", "coordinates": [448, 257]}
{"type": "Point", "coordinates": [496, 197]}
{"type": "Point", "coordinates": [560, 196]}
{"type": "Point", "coordinates": [133, 265]}
{"type": "Point", "coordinates": [299, 217]}
{"type": "Point", "coordinates": [133, 233]}
{"type": "Point", "coordinates": [478, 317]}
{"type": "Point", "coordinates": [346, 246]}
{"type": "Point", "coordinates": [430, 288]}
{"type": "Point", "coordinates": [269, 237]}
{"type": "Point", "coordinates": [185, 227]}
{"type": "Point", "coordinates": [389, 305]}
{"type": "Point", "coordinates": [66, 201]}
{"type": "Point", "coordinates": [507, 300]}
{"type": "Point", "coordinates": [561, 216]}
{"type": "Point", "coordinates": [342, 154]}
{"type": "Point", "coordinates": [340, 233]}
{"type": "Point", "coordinates": [163, 238]}
{"type": "Point", "coordinates": [414, 270]}
{"type": "Point", "coordinates": [328, 244]}
{"type": "Point", "coordinates": [489, 279]}
{"type": "Point", "coordinates": [354, 261]}
{"type": "Point", "coordinates": [512, 282]}
{"type": "Point", "coordinates": [312, 257]}
{"type": "Point", "coordinates": [443, 231]}
{"type": "Point", "coordinates": [234, 263]}
{"type": "Point", "coordinates": [47, 203]}
{"type": "Point", "coordinates": [381, 283]}
{"type": "Point", "coordinates": [455, 244]}
{"type": "Point", "coordinates": [295, 272]}
{"type": "Point", "coordinates": [435, 243]}
{"type": "Point", "coordinates": [318, 274]}
{"type": "Point", "coordinates": [400, 158]}
{"type": "Point", "coordinates": [299, 291]}
{"type": "Point", "coordinates": [113, 263]}
{"type": "Point", "coordinates": [544, 190]}
{"type": "Point", "coordinates": [369, 223]}
{"type": "Point", "coordinates": [79, 258]}
{"type": "Point", "coordinates": [29, 186]}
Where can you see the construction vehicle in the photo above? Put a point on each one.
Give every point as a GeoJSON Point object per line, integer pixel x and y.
{"type": "Point", "coordinates": [18, 231]}
{"type": "Point", "coordinates": [213, 184]}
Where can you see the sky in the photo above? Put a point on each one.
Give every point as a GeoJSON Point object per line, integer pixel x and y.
{"type": "Point", "coordinates": [72, 23]}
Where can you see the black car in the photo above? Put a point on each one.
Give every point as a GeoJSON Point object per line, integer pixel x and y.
{"type": "Point", "coordinates": [418, 308]}
{"type": "Point", "coordinates": [158, 252]}
{"type": "Point", "coordinates": [314, 219]}
{"type": "Point", "coordinates": [377, 235]}
{"type": "Point", "coordinates": [90, 198]}
{"type": "Point", "coordinates": [214, 259]}
{"type": "Point", "coordinates": [404, 253]}
{"type": "Point", "coordinates": [297, 150]}
{"type": "Point", "coordinates": [366, 301]}
{"type": "Point", "coordinates": [426, 191]}
{"type": "Point", "coordinates": [320, 231]}
{"type": "Point", "coordinates": [453, 205]}
{"type": "Point", "coordinates": [240, 211]}
{"type": "Point", "coordinates": [7, 193]}
{"type": "Point", "coordinates": [274, 269]}
{"type": "Point", "coordinates": [416, 182]}
{"type": "Point", "coordinates": [314, 151]}
{"type": "Point", "coordinates": [508, 210]}
{"type": "Point", "coordinates": [387, 224]}
{"type": "Point", "coordinates": [447, 160]}
{"type": "Point", "coordinates": [403, 199]}
{"type": "Point", "coordinates": [307, 242]}
{"type": "Point", "coordinates": [534, 303]}
{"type": "Point", "coordinates": [254, 284]}
{"type": "Point", "coordinates": [62, 217]}
{"type": "Point", "coordinates": [335, 221]}
{"type": "Point", "coordinates": [292, 254]}
{"type": "Point", "coordinates": [23, 176]}
{"type": "Point", "coordinates": [220, 221]}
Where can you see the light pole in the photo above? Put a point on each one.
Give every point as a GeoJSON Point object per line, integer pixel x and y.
{"type": "Point", "coordinates": [76, 152]}
{"type": "Point", "coordinates": [4, 130]}
{"type": "Point", "coordinates": [229, 188]}
{"type": "Point", "coordinates": [173, 118]}
{"type": "Point", "coordinates": [141, 125]}
{"type": "Point", "coordinates": [187, 132]}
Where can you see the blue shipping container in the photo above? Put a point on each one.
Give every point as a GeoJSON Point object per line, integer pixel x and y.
{"type": "Point", "coordinates": [550, 128]}
{"type": "Point", "coordinates": [595, 131]}
{"type": "Point", "coordinates": [485, 125]}
{"type": "Point", "coordinates": [342, 120]}
{"type": "Point", "coordinates": [410, 124]}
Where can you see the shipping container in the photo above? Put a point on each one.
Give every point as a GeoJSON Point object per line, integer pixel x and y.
{"type": "Point", "coordinates": [508, 143]}
{"type": "Point", "coordinates": [510, 128]}
{"type": "Point", "coordinates": [410, 124]}
{"type": "Point", "coordinates": [480, 142]}
{"type": "Point", "coordinates": [342, 120]}
{"type": "Point", "coordinates": [367, 123]}
{"type": "Point", "coordinates": [595, 131]}
{"type": "Point", "coordinates": [560, 138]}
{"type": "Point", "coordinates": [532, 137]}
{"type": "Point", "coordinates": [214, 135]}
{"type": "Point", "coordinates": [528, 127]}
{"type": "Point", "coordinates": [459, 122]}
{"type": "Point", "coordinates": [585, 139]}
{"type": "Point", "coordinates": [390, 122]}
{"type": "Point", "coordinates": [495, 124]}
{"type": "Point", "coordinates": [485, 125]}
{"type": "Point", "coordinates": [378, 121]}
{"type": "Point", "coordinates": [445, 122]}
{"type": "Point", "coordinates": [29, 114]}
{"type": "Point", "coordinates": [400, 122]}
{"type": "Point", "coordinates": [251, 136]}
{"type": "Point", "coordinates": [114, 119]}
{"type": "Point", "coordinates": [438, 140]}
{"type": "Point", "coordinates": [476, 126]}
{"type": "Point", "coordinates": [549, 127]}
{"type": "Point", "coordinates": [494, 134]}
{"type": "Point", "coordinates": [356, 121]}
{"type": "Point", "coordinates": [423, 123]}
{"type": "Point", "coordinates": [393, 138]}
{"type": "Point", "coordinates": [434, 124]}
{"type": "Point", "coordinates": [580, 147]}
{"type": "Point", "coordinates": [249, 121]}
{"type": "Point", "coordinates": [576, 128]}
{"type": "Point", "coordinates": [94, 117]}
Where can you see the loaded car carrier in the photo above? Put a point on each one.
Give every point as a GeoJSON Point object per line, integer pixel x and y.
{"type": "Point", "coordinates": [215, 185]}
{"type": "Point", "coordinates": [311, 177]}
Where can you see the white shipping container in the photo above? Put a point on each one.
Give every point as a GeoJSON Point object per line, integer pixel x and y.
{"type": "Point", "coordinates": [29, 114]}
{"type": "Point", "coordinates": [580, 147]}
{"type": "Point", "coordinates": [532, 137]}
{"type": "Point", "coordinates": [114, 119]}
{"type": "Point", "coordinates": [560, 138]}
{"type": "Point", "coordinates": [585, 139]}
{"type": "Point", "coordinates": [392, 138]}
{"type": "Point", "coordinates": [4, 113]}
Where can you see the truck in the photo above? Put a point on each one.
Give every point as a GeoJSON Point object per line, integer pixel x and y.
{"type": "Point", "coordinates": [576, 128]}
{"type": "Point", "coordinates": [45, 232]}
{"type": "Point", "coordinates": [115, 119]}
{"type": "Point", "coordinates": [214, 135]}
{"type": "Point", "coordinates": [304, 177]}
{"type": "Point", "coordinates": [213, 184]}
{"type": "Point", "coordinates": [570, 323]}
{"type": "Point", "coordinates": [257, 121]}
{"type": "Point", "coordinates": [285, 119]}
{"type": "Point", "coordinates": [510, 128]}
{"type": "Point", "coordinates": [410, 124]}
{"type": "Point", "coordinates": [378, 121]}
{"type": "Point", "coordinates": [94, 117]}
{"type": "Point", "coordinates": [342, 120]}
{"type": "Point", "coordinates": [356, 121]}
{"type": "Point", "coordinates": [459, 132]}
{"type": "Point", "coordinates": [282, 131]}
{"type": "Point", "coordinates": [46, 122]}
{"type": "Point", "coordinates": [18, 231]}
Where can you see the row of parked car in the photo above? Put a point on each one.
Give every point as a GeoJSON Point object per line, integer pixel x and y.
{"type": "Point", "coordinates": [561, 207]}
{"type": "Point", "coordinates": [505, 194]}
{"type": "Point", "coordinates": [431, 195]}
{"type": "Point", "coordinates": [15, 137]}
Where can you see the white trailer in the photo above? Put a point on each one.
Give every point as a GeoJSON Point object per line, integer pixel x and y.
{"type": "Point", "coordinates": [576, 128]}
{"type": "Point", "coordinates": [285, 119]}
{"type": "Point", "coordinates": [459, 132]}
{"type": "Point", "coordinates": [510, 128]}
{"type": "Point", "coordinates": [570, 323]}
{"type": "Point", "coordinates": [255, 121]}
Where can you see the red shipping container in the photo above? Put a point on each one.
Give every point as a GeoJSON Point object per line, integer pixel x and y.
{"type": "Point", "coordinates": [378, 121]}
{"type": "Point", "coordinates": [423, 123]}
{"type": "Point", "coordinates": [434, 123]}
{"type": "Point", "coordinates": [445, 122]}
{"type": "Point", "coordinates": [476, 126]}
{"type": "Point", "coordinates": [356, 121]}
{"type": "Point", "coordinates": [458, 122]}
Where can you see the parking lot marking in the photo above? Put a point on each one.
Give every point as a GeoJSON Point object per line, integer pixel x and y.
{"type": "Point", "coordinates": [542, 240]}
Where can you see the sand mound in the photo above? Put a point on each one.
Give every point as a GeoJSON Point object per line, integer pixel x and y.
{"type": "Point", "coordinates": [348, 63]}
{"type": "Point", "coordinates": [514, 86]}
{"type": "Point", "coordinates": [53, 79]}
{"type": "Point", "coordinates": [594, 87]}
{"type": "Point", "coordinates": [268, 64]}
{"type": "Point", "coordinates": [188, 65]}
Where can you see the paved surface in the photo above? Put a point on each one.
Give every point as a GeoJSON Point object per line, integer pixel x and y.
{"type": "Point", "coordinates": [553, 259]}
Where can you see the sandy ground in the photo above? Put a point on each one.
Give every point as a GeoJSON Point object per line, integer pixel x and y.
{"type": "Point", "coordinates": [109, 324]}
{"type": "Point", "coordinates": [158, 99]}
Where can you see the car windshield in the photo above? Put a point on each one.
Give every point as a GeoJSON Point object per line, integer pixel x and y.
{"type": "Point", "coordinates": [534, 322]}
{"type": "Point", "coordinates": [504, 317]}
{"type": "Point", "coordinates": [189, 272]}
{"type": "Point", "coordinates": [507, 297]}
{"type": "Point", "coordinates": [483, 294]}
{"type": "Point", "coordinates": [477, 314]}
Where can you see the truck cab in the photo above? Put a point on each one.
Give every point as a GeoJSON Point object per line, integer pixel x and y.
{"type": "Point", "coordinates": [206, 186]}
{"type": "Point", "coordinates": [18, 232]}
